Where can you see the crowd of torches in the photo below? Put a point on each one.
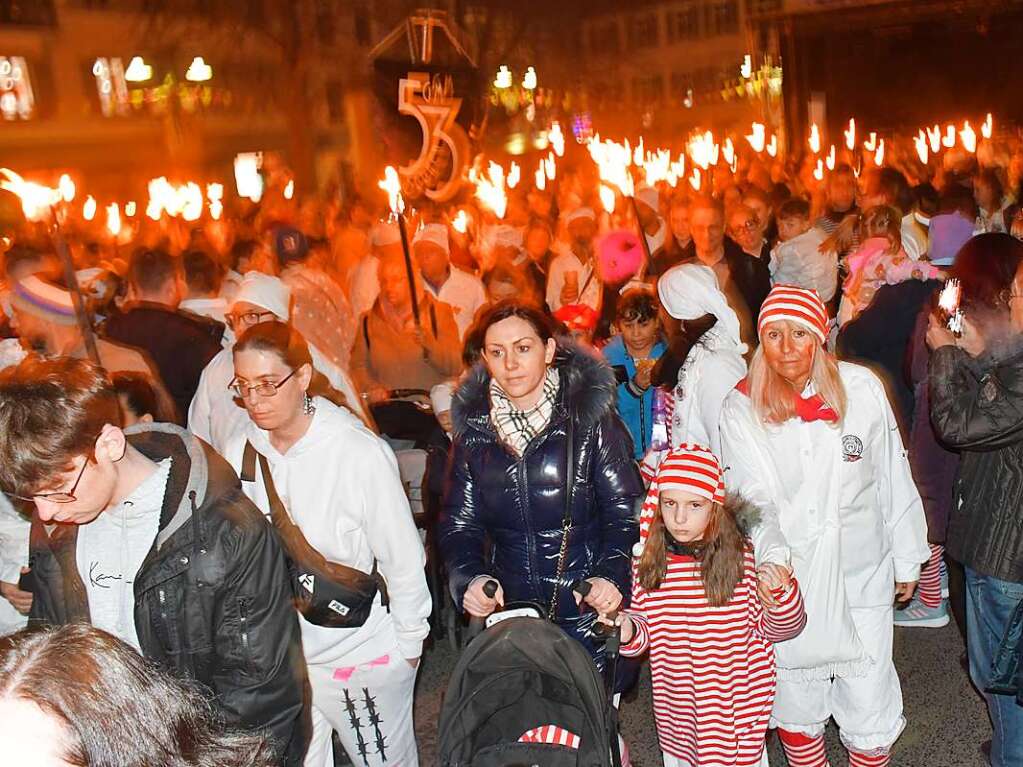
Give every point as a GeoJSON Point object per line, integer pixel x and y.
{"type": "Point", "coordinates": [621, 165]}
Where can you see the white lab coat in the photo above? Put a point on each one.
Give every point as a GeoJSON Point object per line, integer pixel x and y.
{"type": "Point", "coordinates": [840, 505]}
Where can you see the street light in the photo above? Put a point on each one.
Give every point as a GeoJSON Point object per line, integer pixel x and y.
{"type": "Point", "coordinates": [138, 71]}
{"type": "Point", "coordinates": [199, 71]}
{"type": "Point", "coordinates": [504, 78]}
{"type": "Point", "coordinates": [529, 79]}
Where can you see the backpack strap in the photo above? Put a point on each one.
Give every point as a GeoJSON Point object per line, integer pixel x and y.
{"type": "Point", "coordinates": [248, 463]}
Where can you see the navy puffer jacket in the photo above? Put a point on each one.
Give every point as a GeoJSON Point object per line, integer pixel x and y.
{"type": "Point", "coordinates": [518, 504]}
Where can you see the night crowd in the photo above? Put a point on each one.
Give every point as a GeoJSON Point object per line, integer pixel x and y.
{"type": "Point", "coordinates": [767, 421]}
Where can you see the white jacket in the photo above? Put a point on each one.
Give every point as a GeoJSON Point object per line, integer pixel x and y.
{"type": "Point", "coordinates": [215, 416]}
{"type": "Point", "coordinates": [704, 381]}
{"type": "Point", "coordinates": [589, 280]}
{"type": "Point", "coordinates": [14, 533]}
{"type": "Point", "coordinates": [340, 484]}
{"type": "Point", "coordinates": [838, 503]}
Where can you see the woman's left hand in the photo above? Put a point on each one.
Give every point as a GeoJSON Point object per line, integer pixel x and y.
{"type": "Point", "coordinates": [604, 596]}
{"type": "Point", "coordinates": [904, 591]}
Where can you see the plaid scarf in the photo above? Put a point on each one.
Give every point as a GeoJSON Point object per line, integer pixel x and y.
{"type": "Point", "coordinates": [516, 428]}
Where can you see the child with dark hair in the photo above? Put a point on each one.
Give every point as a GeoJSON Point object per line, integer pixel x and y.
{"type": "Point", "coordinates": [632, 353]}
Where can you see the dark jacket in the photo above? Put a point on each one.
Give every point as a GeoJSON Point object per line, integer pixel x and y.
{"type": "Point", "coordinates": [180, 343]}
{"type": "Point", "coordinates": [519, 504]}
{"type": "Point", "coordinates": [977, 408]}
{"type": "Point", "coordinates": [212, 597]}
{"type": "Point", "coordinates": [934, 466]}
{"type": "Point", "coordinates": [670, 255]}
{"type": "Point", "coordinates": [880, 336]}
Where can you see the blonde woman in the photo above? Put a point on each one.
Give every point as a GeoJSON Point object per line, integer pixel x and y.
{"type": "Point", "coordinates": [814, 444]}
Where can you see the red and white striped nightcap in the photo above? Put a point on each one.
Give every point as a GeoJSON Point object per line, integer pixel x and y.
{"type": "Point", "coordinates": [552, 735]}
{"type": "Point", "coordinates": [788, 302]}
{"type": "Point", "coordinates": [692, 468]}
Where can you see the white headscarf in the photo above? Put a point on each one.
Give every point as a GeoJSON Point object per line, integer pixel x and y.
{"type": "Point", "coordinates": [689, 291]}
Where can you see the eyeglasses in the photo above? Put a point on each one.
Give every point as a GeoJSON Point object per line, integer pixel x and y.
{"type": "Point", "coordinates": [247, 319]}
{"type": "Point", "coordinates": [58, 497]}
{"type": "Point", "coordinates": [748, 226]}
{"type": "Point", "coordinates": [265, 389]}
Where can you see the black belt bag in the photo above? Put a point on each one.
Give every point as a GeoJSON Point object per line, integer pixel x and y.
{"type": "Point", "coordinates": [325, 593]}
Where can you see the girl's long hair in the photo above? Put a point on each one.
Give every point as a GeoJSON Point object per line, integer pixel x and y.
{"type": "Point", "coordinates": [771, 394]}
{"type": "Point", "coordinates": [721, 553]}
{"type": "Point", "coordinates": [285, 342]}
{"type": "Point", "coordinates": [117, 708]}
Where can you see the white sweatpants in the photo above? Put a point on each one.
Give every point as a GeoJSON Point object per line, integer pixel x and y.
{"type": "Point", "coordinates": [370, 707]}
{"type": "Point", "coordinates": [867, 709]}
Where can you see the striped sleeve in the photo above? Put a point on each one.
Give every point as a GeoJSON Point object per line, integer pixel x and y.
{"type": "Point", "coordinates": [787, 619]}
{"type": "Point", "coordinates": [640, 642]}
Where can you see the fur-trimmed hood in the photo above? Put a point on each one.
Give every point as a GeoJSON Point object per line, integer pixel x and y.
{"type": "Point", "coordinates": [587, 391]}
{"type": "Point", "coordinates": [747, 515]}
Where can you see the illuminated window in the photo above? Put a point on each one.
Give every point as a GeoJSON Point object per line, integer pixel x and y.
{"type": "Point", "coordinates": [111, 86]}
{"type": "Point", "coordinates": [684, 23]}
{"type": "Point", "coordinates": [16, 99]}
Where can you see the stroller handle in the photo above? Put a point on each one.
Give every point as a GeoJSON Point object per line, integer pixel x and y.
{"type": "Point", "coordinates": [490, 587]}
{"type": "Point", "coordinates": [583, 587]}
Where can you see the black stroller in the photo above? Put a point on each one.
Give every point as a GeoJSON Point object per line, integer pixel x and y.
{"type": "Point", "coordinates": [524, 693]}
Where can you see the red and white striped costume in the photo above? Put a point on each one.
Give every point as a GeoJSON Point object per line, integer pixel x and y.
{"type": "Point", "coordinates": [712, 667]}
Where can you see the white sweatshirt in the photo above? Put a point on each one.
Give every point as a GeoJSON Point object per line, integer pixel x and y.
{"type": "Point", "coordinates": [111, 550]}
{"type": "Point", "coordinates": [839, 503]}
{"type": "Point", "coordinates": [340, 484]}
{"type": "Point", "coordinates": [14, 534]}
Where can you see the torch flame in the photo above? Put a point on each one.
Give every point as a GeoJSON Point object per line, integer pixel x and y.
{"type": "Point", "coordinates": [988, 127]}
{"type": "Point", "coordinates": [607, 198]}
{"type": "Point", "coordinates": [850, 135]}
{"type": "Point", "coordinates": [871, 144]}
{"type": "Point", "coordinates": [514, 175]}
{"type": "Point", "coordinates": [541, 178]}
{"type": "Point", "coordinates": [490, 190]}
{"type": "Point", "coordinates": [557, 139]}
{"type": "Point", "coordinates": [934, 138]}
{"type": "Point", "coordinates": [130, 209]}
{"type": "Point", "coordinates": [772, 148]}
{"type": "Point", "coordinates": [815, 139]}
{"type": "Point", "coordinates": [696, 180]}
{"type": "Point", "coordinates": [89, 208]}
{"type": "Point", "coordinates": [879, 154]}
{"type": "Point", "coordinates": [392, 185]}
{"type": "Point", "coordinates": [460, 223]}
{"type": "Point", "coordinates": [36, 199]}
{"type": "Point", "coordinates": [950, 136]}
{"type": "Point", "coordinates": [818, 172]}
{"type": "Point", "coordinates": [114, 219]}
{"type": "Point", "coordinates": [66, 187]}
{"type": "Point", "coordinates": [921, 147]}
{"type": "Point", "coordinates": [948, 300]}
{"type": "Point", "coordinates": [968, 137]}
{"type": "Point", "coordinates": [756, 138]}
{"type": "Point", "coordinates": [830, 162]}
{"type": "Point", "coordinates": [550, 167]}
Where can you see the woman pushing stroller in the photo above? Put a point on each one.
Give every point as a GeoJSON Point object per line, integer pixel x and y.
{"type": "Point", "coordinates": [543, 469]}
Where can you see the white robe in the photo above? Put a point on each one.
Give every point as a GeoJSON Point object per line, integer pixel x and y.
{"type": "Point", "coordinates": [840, 505]}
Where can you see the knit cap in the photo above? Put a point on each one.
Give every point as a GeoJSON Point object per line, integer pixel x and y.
{"type": "Point", "coordinates": [692, 468]}
{"type": "Point", "coordinates": [44, 300]}
{"type": "Point", "coordinates": [433, 233]}
{"type": "Point", "coordinates": [799, 305]}
{"type": "Point", "coordinates": [266, 292]}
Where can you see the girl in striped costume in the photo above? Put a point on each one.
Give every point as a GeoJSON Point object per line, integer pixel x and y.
{"type": "Point", "coordinates": [695, 608]}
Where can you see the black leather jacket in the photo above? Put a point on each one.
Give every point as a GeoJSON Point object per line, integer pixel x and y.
{"type": "Point", "coordinates": [519, 504]}
{"type": "Point", "coordinates": [977, 408]}
{"type": "Point", "coordinates": [212, 597]}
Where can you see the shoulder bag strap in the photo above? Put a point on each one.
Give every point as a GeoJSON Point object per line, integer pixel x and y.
{"type": "Point", "coordinates": [567, 521]}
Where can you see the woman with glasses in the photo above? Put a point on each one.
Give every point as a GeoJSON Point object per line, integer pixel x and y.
{"type": "Point", "coordinates": [216, 412]}
{"type": "Point", "coordinates": [339, 484]}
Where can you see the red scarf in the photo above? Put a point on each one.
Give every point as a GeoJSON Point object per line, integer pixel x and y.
{"type": "Point", "coordinates": [813, 408]}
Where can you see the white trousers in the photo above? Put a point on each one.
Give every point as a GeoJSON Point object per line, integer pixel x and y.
{"type": "Point", "coordinates": [867, 709]}
{"type": "Point", "coordinates": [370, 707]}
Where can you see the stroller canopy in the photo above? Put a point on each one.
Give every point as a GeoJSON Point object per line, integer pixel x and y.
{"type": "Point", "coordinates": [525, 693]}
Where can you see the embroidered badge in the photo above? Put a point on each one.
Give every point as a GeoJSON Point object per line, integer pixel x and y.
{"type": "Point", "coordinates": [852, 448]}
